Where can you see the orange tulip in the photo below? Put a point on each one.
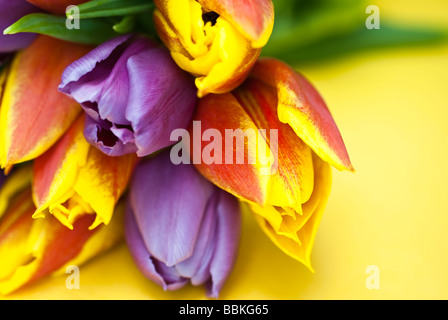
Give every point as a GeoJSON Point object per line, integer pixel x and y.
{"type": "Point", "coordinates": [290, 199]}
{"type": "Point", "coordinates": [33, 114]}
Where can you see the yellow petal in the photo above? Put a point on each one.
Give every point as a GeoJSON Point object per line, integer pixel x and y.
{"type": "Point", "coordinates": [102, 181]}
{"type": "Point", "coordinates": [306, 228]}
{"type": "Point", "coordinates": [101, 241]}
{"type": "Point", "coordinates": [17, 181]}
{"type": "Point", "coordinates": [56, 172]}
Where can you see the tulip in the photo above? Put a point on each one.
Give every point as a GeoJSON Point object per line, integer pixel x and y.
{"type": "Point", "coordinates": [33, 114]}
{"type": "Point", "coordinates": [73, 179]}
{"type": "Point", "coordinates": [33, 248]}
{"type": "Point", "coordinates": [290, 199]}
{"type": "Point", "coordinates": [10, 12]}
{"type": "Point", "coordinates": [218, 41]}
{"type": "Point", "coordinates": [133, 93]}
{"type": "Point", "coordinates": [179, 227]}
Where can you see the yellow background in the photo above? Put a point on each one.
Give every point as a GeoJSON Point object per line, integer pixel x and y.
{"type": "Point", "coordinates": [392, 109]}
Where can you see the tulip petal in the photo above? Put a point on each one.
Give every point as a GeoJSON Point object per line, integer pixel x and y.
{"type": "Point", "coordinates": [244, 179]}
{"type": "Point", "coordinates": [49, 245]}
{"type": "Point", "coordinates": [55, 6]}
{"type": "Point", "coordinates": [102, 181]}
{"type": "Point", "coordinates": [218, 54]}
{"type": "Point", "coordinates": [10, 12]}
{"type": "Point", "coordinates": [16, 182]}
{"type": "Point", "coordinates": [301, 106]}
{"type": "Point", "coordinates": [253, 18]}
{"type": "Point", "coordinates": [149, 267]}
{"type": "Point", "coordinates": [227, 242]}
{"type": "Point", "coordinates": [158, 104]}
{"type": "Point", "coordinates": [56, 171]}
{"type": "Point", "coordinates": [134, 94]}
{"type": "Point", "coordinates": [309, 224]}
{"type": "Point", "coordinates": [169, 228]}
{"type": "Point", "coordinates": [201, 257]}
{"type": "Point", "coordinates": [73, 179]}
{"type": "Point", "coordinates": [103, 239]}
{"type": "Point", "coordinates": [14, 229]}
{"type": "Point", "coordinates": [292, 183]}
{"type": "Point", "coordinates": [31, 95]}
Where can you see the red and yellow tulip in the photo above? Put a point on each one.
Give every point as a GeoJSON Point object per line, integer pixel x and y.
{"type": "Point", "coordinates": [217, 41]}
{"type": "Point", "coordinates": [33, 248]}
{"type": "Point", "coordinates": [33, 114]}
{"type": "Point", "coordinates": [290, 201]}
{"type": "Point", "coordinates": [73, 179]}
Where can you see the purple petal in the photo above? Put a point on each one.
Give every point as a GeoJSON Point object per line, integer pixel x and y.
{"type": "Point", "coordinates": [169, 203]}
{"type": "Point", "coordinates": [110, 140]}
{"type": "Point", "coordinates": [201, 256]}
{"type": "Point", "coordinates": [150, 268]}
{"type": "Point", "coordinates": [135, 92]}
{"type": "Point", "coordinates": [162, 98]}
{"type": "Point", "coordinates": [10, 12]}
{"type": "Point", "coordinates": [227, 242]}
{"type": "Point", "coordinates": [80, 68]}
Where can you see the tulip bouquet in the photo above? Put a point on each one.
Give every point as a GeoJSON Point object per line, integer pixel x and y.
{"type": "Point", "coordinates": [87, 120]}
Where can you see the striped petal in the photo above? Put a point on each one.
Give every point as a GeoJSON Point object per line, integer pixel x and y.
{"type": "Point", "coordinates": [225, 162]}
{"type": "Point", "coordinates": [73, 179]}
{"type": "Point", "coordinates": [291, 184]}
{"type": "Point", "coordinates": [253, 18]}
{"type": "Point", "coordinates": [33, 248]}
{"type": "Point", "coordinates": [33, 114]}
{"type": "Point", "coordinates": [30, 249]}
{"type": "Point", "coordinates": [298, 244]}
{"type": "Point", "coordinates": [302, 107]}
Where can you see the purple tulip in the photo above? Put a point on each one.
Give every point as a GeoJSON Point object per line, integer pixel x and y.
{"type": "Point", "coordinates": [133, 93]}
{"type": "Point", "coordinates": [179, 227]}
{"type": "Point", "coordinates": [10, 12]}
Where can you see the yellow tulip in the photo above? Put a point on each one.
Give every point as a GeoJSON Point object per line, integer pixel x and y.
{"type": "Point", "coordinates": [73, 179]}
{"type": "Point", "coordinates": [218, 41]}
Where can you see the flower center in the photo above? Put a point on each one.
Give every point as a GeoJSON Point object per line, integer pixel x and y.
{"type": "Point", "coordinates": [211, 17]}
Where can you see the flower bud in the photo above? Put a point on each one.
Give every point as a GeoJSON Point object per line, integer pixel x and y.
{"type": "Point", "coordinates": [133, 93]}
{"type": "Point", "coordinates": [179, 227]}
{"type": "Point", "coordinates": [301, 137]}
{"type": "Point", "coordinates": [218, 41]}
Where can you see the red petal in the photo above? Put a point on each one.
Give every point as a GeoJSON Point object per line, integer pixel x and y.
{"type": "Point", "coordinates": [303, 108]}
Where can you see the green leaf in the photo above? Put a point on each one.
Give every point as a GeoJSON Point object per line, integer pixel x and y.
{"type": "Point", "coordinates": [113, 8]}
{"type": "Point", "coordinates": [359, 40]}
{"type": "Point", "coordinates": [126, 25]}
{"type": "Point", "coordinates": [91, 31]}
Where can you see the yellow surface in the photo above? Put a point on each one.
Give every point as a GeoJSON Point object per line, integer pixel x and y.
{"type": "Point", "coordinates": [392, 109]}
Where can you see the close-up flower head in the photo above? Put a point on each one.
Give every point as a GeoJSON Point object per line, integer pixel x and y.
{"type": "Point", "coordinates": [205, 151]}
